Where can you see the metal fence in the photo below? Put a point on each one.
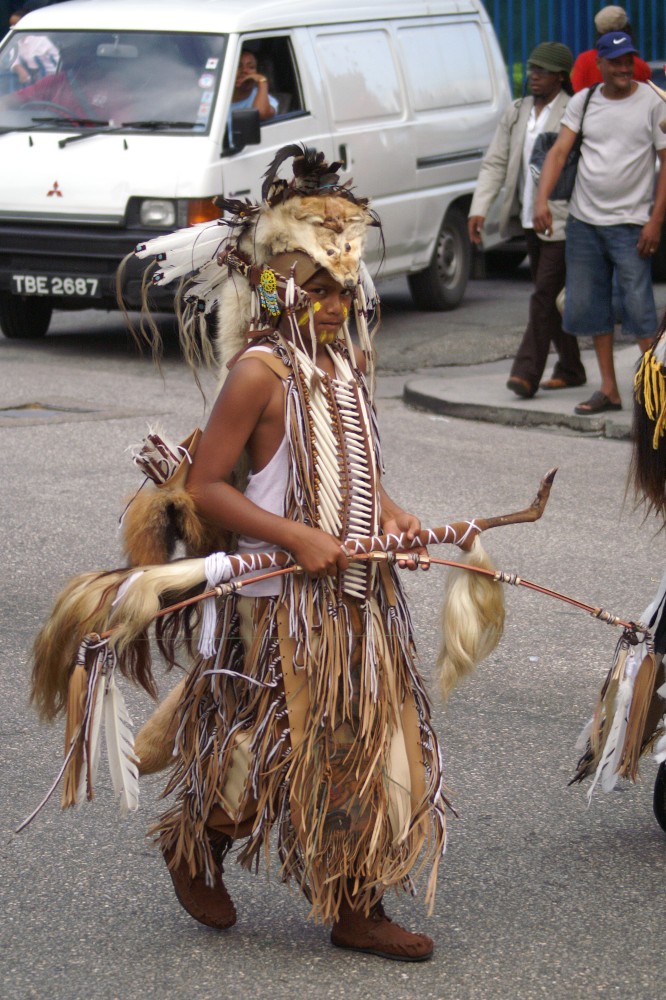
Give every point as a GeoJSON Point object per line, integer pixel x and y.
{"type": "Point", "coordinates": [522, 24]}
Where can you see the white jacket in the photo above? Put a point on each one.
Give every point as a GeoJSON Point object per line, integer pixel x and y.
{"type": "Point", "coordinates": [501, 167]}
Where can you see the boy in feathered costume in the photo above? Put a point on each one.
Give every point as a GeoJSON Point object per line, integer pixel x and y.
{"type": "Point", "coordinates": [307, 716]}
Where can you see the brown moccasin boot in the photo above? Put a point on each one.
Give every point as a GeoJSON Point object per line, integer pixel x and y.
{"type": "Point", "coordinates": [376, 934]}
{"type": "Point", "coordinates": [213, 907]}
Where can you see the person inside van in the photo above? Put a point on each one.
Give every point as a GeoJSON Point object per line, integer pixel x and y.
{"type": "Point", "coordinates": [85, 86]}
{"type": "Point", "coordinates": [251, 90]}
{"type": "Point", "coordinates": [35, 56]}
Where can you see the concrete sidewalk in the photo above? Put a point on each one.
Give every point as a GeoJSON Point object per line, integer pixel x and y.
{"type": "Point", "coordinates": [479, 392]}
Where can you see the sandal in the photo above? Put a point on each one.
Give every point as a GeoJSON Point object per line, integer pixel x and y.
{"type": "Point", "coordinates": [597, 403]}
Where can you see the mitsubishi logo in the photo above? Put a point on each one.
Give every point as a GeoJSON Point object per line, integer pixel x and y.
{"type": "Point", "coordinates": [55, 190]}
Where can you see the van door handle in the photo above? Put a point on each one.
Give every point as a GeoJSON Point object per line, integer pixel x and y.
{"type": "Point", "coordinates": [342, 155]}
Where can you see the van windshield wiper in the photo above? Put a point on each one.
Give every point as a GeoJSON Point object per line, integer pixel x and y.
{"type": "Point", "coordinates": [148, 125]}
{"type": "Point", "coordinates": [66, 120]}
{"type": "Point", "coordinates": [151, 123]}
{"type": "Point", "coordinates": [42, 122]}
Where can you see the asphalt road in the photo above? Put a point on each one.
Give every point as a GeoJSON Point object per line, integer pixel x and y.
{"type": "Point", "coordinates": [540, 894]}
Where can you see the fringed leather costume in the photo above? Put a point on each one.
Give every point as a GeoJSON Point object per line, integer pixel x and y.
{"type": "Point", "coordinates": [312, 717]}
{"type": "Point", "coordinates": [304, 715]}
{"type": "Point", "coordinates": [629, 720]}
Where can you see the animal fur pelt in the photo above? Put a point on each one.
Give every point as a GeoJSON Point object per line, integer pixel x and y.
{"type": "Point", "coordinates": [472, 619]}
{"type": "Point", "coordinates": [313, 214]}
{"type": "Point", "coordinates": [162, 512]}
{"type": "Point", "coordinates": [126, 601]}
{"type": "Point", "coordinates": [158, 518]}
{"type": "Point", "coordinates": [84, 606]}
{"type": "Point", "coordinates": [155, 740]}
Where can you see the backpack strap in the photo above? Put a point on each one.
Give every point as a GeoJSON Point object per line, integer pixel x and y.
{"type": "Point", "coordinates": [590, 92]}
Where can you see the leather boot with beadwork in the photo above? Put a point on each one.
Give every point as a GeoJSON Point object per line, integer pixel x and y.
{"type": "Point", "coordinates": [376, 934]}
{"type": "Point", "coordinates": [210, 905]}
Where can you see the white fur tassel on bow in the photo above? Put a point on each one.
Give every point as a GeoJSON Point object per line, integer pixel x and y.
{"type": "Point", "coordinates": [218, 570]}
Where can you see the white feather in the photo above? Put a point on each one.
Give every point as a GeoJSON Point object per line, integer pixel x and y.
{"type": "Point", "coordinates": [188, 238]}
{"type": "Point", "coordinates": [120, 748]}
{"type": "Point", "coordinates": [659, 751]}
{"type": "Point", "coordinates": [610, 761]}
{"type": "Point", "coordinates": [368, 285]}
{"type": "Point", "coordinates": [585, 733]}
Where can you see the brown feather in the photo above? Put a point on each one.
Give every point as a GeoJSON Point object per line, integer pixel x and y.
{"type": "Point", "coordinates": [76, 697]}
{"type": "Point", "coordinates": [636, 735]}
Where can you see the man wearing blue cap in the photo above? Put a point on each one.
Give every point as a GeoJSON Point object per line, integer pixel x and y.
{"type": "Point", "coordinates": [615, 215]}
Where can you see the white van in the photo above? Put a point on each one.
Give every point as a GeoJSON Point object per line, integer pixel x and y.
{"type": "Point", "coordinates": [116, 123]}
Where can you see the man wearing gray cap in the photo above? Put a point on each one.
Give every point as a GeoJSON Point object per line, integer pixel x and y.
{"type": "Point", "coordinates": [585, 71]}
{"type": "Point", "coordinates": [506, 165]}
{"type": "Point", "coordinates": [615, 213]}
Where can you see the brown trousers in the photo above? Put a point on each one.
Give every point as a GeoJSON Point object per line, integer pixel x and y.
{"type": "Point", "coordinates": [544, 324]}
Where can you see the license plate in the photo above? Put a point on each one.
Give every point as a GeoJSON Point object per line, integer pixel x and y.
{"type": "Point", "coordinates": [68, 286]}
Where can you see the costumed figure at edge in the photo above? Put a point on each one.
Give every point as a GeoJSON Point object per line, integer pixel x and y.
{"type": "Point", "coordinates": [303, 726]}
{"type": "Point", "coordinates": [629, 719]}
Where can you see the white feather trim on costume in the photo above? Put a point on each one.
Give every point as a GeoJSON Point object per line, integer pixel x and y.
{"type": "Point", "coordinates": [659, 752]}
{"type": "Point", "coordinates": [120, 748]}
{"type": "Point", "coordinates": [585, 733]}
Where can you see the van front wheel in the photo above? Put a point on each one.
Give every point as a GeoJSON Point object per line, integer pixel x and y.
{"type": "Point", "coordinates": [24, 319]}
{"type": "Point", "coordinates": [442, 285]}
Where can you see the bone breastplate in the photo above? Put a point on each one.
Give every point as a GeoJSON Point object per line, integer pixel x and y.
{"type": "Point", "coordinates": [336, 484]}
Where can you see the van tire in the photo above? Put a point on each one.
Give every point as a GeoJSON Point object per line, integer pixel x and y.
{"type": "Point", "coordinates": [24, 318]}
{"type": "Point", "coordinates": [442, 285]}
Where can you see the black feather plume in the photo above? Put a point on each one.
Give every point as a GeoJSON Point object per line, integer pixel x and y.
{"type": "Point", "coordinates": [311, 174]}
{"type": "Point", "coordinates": [293, 150]}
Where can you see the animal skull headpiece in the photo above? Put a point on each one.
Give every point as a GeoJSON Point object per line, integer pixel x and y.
{"type": "Point", "coordinates": [246, 267]}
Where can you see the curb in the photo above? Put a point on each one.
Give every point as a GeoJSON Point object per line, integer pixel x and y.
{"type": "Point", "coordinates": [424, 394]}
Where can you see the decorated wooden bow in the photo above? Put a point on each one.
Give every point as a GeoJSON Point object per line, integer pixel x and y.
{"type": "Point", "coordinates": [100, 620]}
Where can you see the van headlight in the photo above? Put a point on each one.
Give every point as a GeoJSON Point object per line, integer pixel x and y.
{"type": "Point", "coordinates": [158, 213]}
{"type": "Point", "coordinates": [168, 214]}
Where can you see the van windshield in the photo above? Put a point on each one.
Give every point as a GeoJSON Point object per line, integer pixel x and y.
{"type": "Point", "coordinates": [126, 81]}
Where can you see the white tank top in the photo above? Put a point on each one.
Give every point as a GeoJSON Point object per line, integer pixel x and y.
{"type": "Point", "coordinates": [267, 489]}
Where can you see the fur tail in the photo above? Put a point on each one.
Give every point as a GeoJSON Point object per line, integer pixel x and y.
{"type": "Point", "coordinates": [125, 600]}
{"type": "Point", "coordinates": [82, 607]}
{"type": "Point", "coordinates": [472, 619]}
{"type": "Point", "coordinates": [155, 740]}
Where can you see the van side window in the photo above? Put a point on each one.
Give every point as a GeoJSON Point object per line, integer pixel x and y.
{"type": "Point", "coordinates": [361, 74]}
{"type": "Point", "coordinates": [275, 60]}
{"type": "Point", "coordinates": [446, 65]}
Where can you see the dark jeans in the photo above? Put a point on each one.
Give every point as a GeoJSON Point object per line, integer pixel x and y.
{"type": "Point", "coordinates": [544, 325]}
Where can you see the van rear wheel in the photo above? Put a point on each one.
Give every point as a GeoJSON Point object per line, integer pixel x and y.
{"type": "Point", "coordinates": [24, 319]}
{"type": "Point", "coordinates": [442, 285]}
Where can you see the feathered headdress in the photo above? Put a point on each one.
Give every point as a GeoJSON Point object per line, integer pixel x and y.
{"type": "Point", "coordinates": [243, 270]}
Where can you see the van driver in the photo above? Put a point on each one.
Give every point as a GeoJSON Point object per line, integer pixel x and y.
{"type": "Point", "coordinates": [251, 89]}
